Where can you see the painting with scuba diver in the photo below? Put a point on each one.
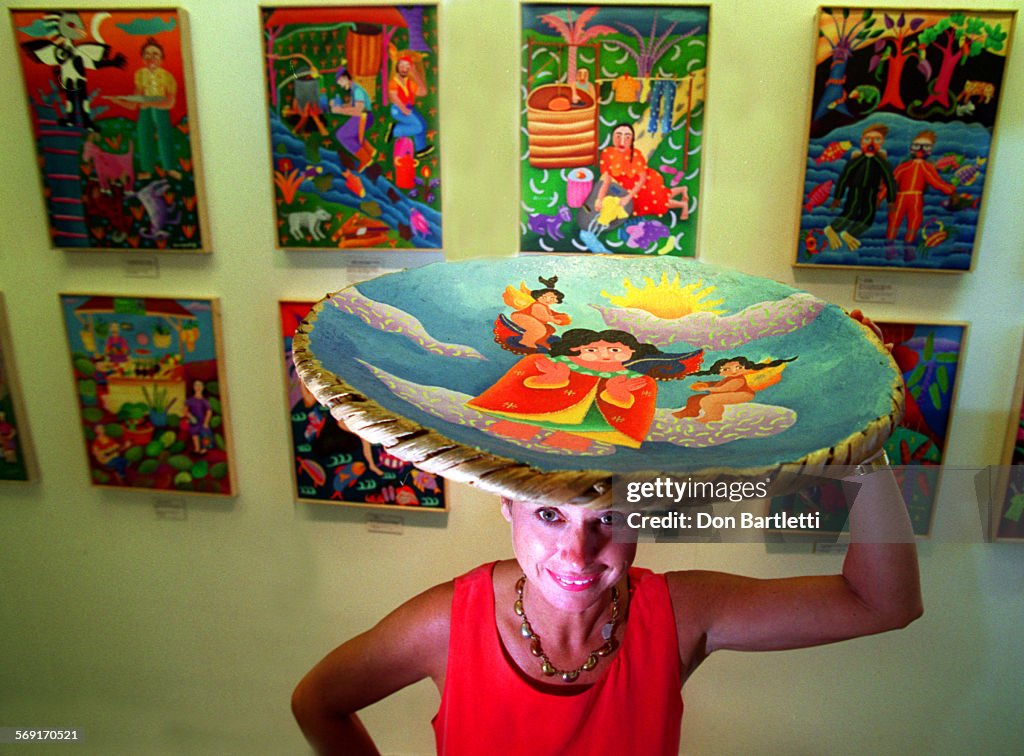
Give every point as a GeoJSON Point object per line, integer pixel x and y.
{"type": "Point", "coordinates": [902, 118]}
{"type": "Point", "coordinates": [611, 128]}
{"type": "Point", "coordinates": [332, 465]}
{"type": "Point", "coordinates": [352, 99]}
{"type": "Point", "coordinates": [150, 385]}
{"type": "Point", "coordinates": [109, 94]}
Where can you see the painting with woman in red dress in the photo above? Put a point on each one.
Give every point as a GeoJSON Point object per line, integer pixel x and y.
{"type": "Point", "coordinates": [590, 386]}
{"type": "Point", "coordinates": [623, 165]}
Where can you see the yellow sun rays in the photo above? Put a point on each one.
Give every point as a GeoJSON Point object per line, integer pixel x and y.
{"type": "Point", "coordinates": [667, 299]}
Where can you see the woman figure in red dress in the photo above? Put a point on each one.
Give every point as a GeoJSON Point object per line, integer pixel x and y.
{"type": "Point", "coordinates": [626, 166]}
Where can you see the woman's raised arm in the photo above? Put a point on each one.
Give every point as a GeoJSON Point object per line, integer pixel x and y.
{"type": "Point", "coordinates": [408, 645]}
{"type": "Point", "coordinates": [878, 589]}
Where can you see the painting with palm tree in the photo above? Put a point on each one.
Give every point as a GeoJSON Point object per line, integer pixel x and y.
{"type": "Point", "coordinates": [612, 118]}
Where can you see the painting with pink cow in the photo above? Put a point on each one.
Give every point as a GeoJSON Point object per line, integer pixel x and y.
{"type": "Point", "coordinates": [110, 98]}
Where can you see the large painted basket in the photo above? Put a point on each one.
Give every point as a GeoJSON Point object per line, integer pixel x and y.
{"type": "Point", "coordinates": [542, 377]}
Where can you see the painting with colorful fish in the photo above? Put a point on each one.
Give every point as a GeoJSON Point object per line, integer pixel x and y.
{"type": "Point", "coordinates": [1010, 501]}
{"type": "Point", "coordinates": [151, 392]}
{"type": "Point", "coordinates": [929, 358]}
{"type": "Point", "coordinates": [110, 100]}
{"type": "Point", "coordinates": [353, 106]}
{"type": "Point", "coordinates": [332, 465]}
{"type": "Point", "coordinates": [17, 461]}
{"type": "Point", "coordinates": [612, 122]}
{"type": "Point", "coordinates": [902, 118]}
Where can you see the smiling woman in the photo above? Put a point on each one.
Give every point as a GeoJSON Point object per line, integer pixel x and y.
{"type": "Point", "coordinates": [568, 648]}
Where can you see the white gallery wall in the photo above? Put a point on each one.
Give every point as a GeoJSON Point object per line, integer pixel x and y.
{"type": "Point", "coordinates": [185, 634]}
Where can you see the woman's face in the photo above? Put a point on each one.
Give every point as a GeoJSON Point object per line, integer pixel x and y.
{"type": "Point", "coordinates": [602, 355]}
{"type": "Point", "coordinates": [548, 297]}
{"type": "Point", "coordinates": [622, 138]}
{"type": "Point", "coordinates": [152, 56]}
{"type": "Point", "coordinates": [733, 368]}
{"type": "Point", "coordinates": [571, 555]}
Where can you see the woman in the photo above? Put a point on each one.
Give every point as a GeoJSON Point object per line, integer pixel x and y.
{"type": "Point", "coordinates": [569, 649]}
{"type": "Point", "coordinates": [466, 635]}
{"type": "Point", "coordinates": [155, 94]}
{"type": "Point", "coordinates": [590, 386]}
{"type": "Point", "coordinates": [358, 106]}
{"type": "Point", "coordinates": [626, 167]}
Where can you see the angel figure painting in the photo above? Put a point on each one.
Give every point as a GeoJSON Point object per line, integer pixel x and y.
{"type": "Point", "coordinates": [611, 128]}
{"type": "Point", "coordinates": [671, 362]}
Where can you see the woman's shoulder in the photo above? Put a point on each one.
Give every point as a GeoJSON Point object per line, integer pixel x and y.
{"type": "Point", "coordinates": [430, 610]}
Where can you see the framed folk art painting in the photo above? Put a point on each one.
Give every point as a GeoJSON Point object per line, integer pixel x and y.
{"type": "Point", "coordinates": [352, 100]}
{"type": "Point", "coordinates": [929, 356]}
{"type": "Point", "coordinates": [150, 385]}
{"type": "Point", "coordinates": [899, 148]}
{"type": "Point", "coordinates": [17, 461]}
{"type": "Point", "coordinates": [1009, 502]}
{"type": "Point", "coordinates": [109, 94]}
{"type": "Point", "coordinates": [332, 465]}
{"type": "Point", "coordinates": [611, 128]}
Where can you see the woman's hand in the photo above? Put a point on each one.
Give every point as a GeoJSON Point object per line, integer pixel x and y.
{"type": "Point", "coordinates": [552, 373]}
{"type": "Point", "coordinates": [620, 388]}
{"type": "Point", "coordinates": [864, 320]}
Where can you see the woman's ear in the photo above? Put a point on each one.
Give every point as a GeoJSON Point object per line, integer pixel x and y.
{"type": "Point", "coordinates": [506, 508]}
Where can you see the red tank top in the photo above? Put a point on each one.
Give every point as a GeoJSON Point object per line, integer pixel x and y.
{"type": "Point", "coordinates": [635, 706]}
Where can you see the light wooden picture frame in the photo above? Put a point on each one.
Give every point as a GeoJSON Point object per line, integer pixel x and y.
{"type": "Point", "coordinates": [151, 391]}
{"type": "Point", "coordinates": [901, 123]}
{"type": "Point", "coordinates": [594, 77]}
{"type": "Point", "coordinates": [930, 357]}
{"type": "Point", "coordinates": [110, 97]}
{"type": "Point", "coordinates": [1008, 501]}
{"type": "Point", "coordinates": [354, 124]}
{"type": "Point", "coordinates": [332, 465]}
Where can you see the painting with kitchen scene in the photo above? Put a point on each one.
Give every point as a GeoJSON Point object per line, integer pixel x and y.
{"type": "Point", "coordinates": [1009, 503]}
{"type": "Point", "coordinates": [902, 118]}
{"type": "Point", "coordinates": [611, 128]}
{"type": "Point", "coordinates": [352, 98]}
{"type": "Point", "coordinates": [332, 465]}
{"type": "Point", "coordinates": [17, 460]}
{"type": "Point", "coordinates": [109, 94]}
{"type": "Point", "coordinates": [150, 386]}
{"type": "Point", "coordinates": [929, 357]}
